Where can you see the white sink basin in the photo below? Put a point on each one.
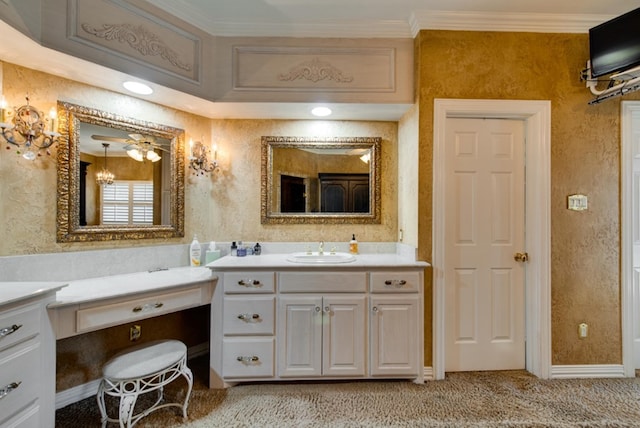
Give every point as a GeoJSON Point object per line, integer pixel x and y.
{"type": "Point", "coordinates": [324, 258]}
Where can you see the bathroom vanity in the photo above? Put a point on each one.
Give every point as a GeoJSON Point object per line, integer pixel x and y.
{"type": "Point", "coordinates": [275, 317]}
{"type": "Point", "coordinates": [27, 370]}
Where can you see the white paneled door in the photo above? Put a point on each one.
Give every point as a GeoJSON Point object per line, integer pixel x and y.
{"type": "Point", "coordinates": [484, 235]}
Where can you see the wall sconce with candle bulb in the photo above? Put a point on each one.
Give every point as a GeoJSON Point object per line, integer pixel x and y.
{"type": "Point", "coordinates": [199, 160]}
{"type": "Point", "coordinates": [28, 129]}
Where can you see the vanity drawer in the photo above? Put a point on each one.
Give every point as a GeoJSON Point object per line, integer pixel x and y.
{"type": "Point", "coordinates": [248, 357]}
{"type": "Point", "coordinates": [20, 377]}
{"type": "Point", "coordinates": [249, 315]}
{"type": "Point", "coordinates": [395, 282]}
{"type": "Point", "coordinates": [313, 282]}
{"type": "Point", "coordinates": [96, 317]}
{"type": "Point", "coordinates": [249, 282]}
{"type": "Point", "coordinates": [19, 324]}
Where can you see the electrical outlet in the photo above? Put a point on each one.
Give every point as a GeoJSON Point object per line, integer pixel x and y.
{"type": "Point", "coordinates": [583, 330]}
{"type": "Point", "coordinates": [134, 333]}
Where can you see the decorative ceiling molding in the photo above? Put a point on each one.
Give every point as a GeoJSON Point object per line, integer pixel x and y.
{"type": "Point", "coordinates": [140, 39]}
{"type": "Point", "coordinates": [496, 21]}
{"type": "Point", "coordinates": [315, 70]}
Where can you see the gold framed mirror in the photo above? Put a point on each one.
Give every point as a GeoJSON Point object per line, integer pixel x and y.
{"type": "Point", "coordinates": [148, 161]}
{"type": "Point", "coordinates": [320, 180]}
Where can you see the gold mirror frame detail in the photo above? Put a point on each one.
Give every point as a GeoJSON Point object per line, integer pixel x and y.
{"type": "Point", "coordinates": [269, 217]}
{"type": "Point", "coordinates": [70, 117]}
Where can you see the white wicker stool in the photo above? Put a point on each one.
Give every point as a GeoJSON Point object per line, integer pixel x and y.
{"type": "Point", "coordinates": [141, 369]}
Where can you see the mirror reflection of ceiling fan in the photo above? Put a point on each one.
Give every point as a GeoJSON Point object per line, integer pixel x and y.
{"type": "Point", "coordinates": [139, 147]}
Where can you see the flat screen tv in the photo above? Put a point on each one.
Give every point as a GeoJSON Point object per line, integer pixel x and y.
{"type": "Point", "coordinates": [615, 44]}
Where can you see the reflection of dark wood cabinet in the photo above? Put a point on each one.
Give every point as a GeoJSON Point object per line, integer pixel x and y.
{"type": "Point", "coordinates": [344, 193]}
{"type": "Point", "coordinates": [83, 192]}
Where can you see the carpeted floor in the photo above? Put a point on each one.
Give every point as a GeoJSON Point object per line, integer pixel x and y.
{"type": "Point", "coordinates": [471, 399]}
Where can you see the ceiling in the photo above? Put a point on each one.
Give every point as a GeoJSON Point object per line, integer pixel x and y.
{"type": "Point", "coordinates": [321, 18]}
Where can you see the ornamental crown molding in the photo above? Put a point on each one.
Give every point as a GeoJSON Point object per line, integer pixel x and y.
{"type": "Point", "coordinates": [497, 21]}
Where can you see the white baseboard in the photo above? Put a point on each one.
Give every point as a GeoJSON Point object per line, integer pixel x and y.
{"type": "Point", "coordinates": [587, 371]}
{"type": "Point", "coordinates": [89, 389]}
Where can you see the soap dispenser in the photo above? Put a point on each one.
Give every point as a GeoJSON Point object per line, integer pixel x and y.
{"type": "Point", "coordinates": [353, 245]}
{"type": "Point", "coordinates": [195, 252]}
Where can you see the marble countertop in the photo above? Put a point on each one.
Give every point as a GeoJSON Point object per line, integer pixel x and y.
{"type": "Point", "coordinates": [14, 291]}
{"type": "Point", "coordinates": [105, 287]}
{"type": "Point", "coordinates": [279, 261]}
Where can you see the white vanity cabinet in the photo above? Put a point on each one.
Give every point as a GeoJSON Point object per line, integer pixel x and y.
{"type": "Point", "coordinates": [330, 322]}
{"type": "Point", "coordinates": [322, 335]}
{"type": "Point", "coordinates": [27, 356]}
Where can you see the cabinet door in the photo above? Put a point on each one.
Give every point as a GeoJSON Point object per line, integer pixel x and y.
{"type": "Point", "coordinates": [300, 336]}
{"type": "Point", "coordinates": [344, 336]}
{"type": "Point", "coordinates": [394, 324]}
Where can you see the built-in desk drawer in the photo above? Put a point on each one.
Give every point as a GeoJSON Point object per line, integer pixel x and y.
{"type": "Point", "coordinates": [20, 377]}
{"type": "Point", "coordinates": [101, 316]}
{"type": "Point", "coordinates": [19, 324]}
{"type": "Point", "coordinates": [244, 315]}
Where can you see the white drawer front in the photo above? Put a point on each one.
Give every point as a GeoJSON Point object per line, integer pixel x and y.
{"type": "Point", "coordinates": [248, 357]}
{"type": "Point", "coordinates": [19, 324]}
{"type": "Point", "coordinates": [334, 282]}
{"type": "Point", "coordinates": [120, 313]}
{"type": "Point", "coordinates": [395, 282]}
{"type": "Point", "coordinates": [249, 282]}
{"type": "Point", "coordinates": [249, 315]}
{"type": "Point", "coordinates": [19, 376]}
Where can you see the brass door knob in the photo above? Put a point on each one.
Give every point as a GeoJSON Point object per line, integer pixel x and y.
{"type": "Point", "coordinates": [521, 257]}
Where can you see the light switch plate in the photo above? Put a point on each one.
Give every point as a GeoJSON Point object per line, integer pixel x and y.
{"type": "Point", "coordinates": [577, 202]}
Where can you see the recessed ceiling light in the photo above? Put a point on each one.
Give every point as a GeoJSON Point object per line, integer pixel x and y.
{"type": "Point", "coordinates": [321, 111]}
{"type": "Point", "coordinates": [138, 88]}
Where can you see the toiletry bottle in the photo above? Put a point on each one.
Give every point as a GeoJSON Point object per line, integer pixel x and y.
{"type": "Point", "coordinates": [212, 253]}
{"type": "Point", "coordinates": [353, 245]}
{"type": "Point", "coordinates": [195, 252]}
{"type": "Point", "coordinates": [234, 249]}
{"type": "Point", "coordinates": [242, 250]}
{"type": "Point", "coordinates": [257, 249]}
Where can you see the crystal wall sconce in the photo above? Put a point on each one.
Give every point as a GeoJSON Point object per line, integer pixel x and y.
{"type": "Point", "coordinates": [200, 161]}
{"type": "Point", "coordinates": [28, 130]}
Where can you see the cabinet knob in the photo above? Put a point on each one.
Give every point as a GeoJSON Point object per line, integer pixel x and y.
{"type": "Point", "coordinates": [8, 330]}
{"type": "Point", "coordinates": [327, 309]}
{"type": "Point", "coordinates": [8, 388]}
{"type": "Point", "coordinates": [375, 309]}
{"type": "Point", "coordinates": [249, 317]}
{"type": "Point", "coordinates": [318, 309]}
{"type": "Point", "coordinates": [249, 283]}
{"type": "Point", "coordinates": [248, 359]}
{"type": "Point", "coordinates": [395, 282]}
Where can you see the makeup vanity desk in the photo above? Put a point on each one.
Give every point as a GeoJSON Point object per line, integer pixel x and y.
{"type": "Point", "coordinates": [95, 303]}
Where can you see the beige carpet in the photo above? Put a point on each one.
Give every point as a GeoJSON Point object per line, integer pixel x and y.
{"type": "Point", "coordinates": [474, 399]}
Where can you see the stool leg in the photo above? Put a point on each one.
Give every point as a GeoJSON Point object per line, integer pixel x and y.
{"type": "Point", "coordinates": [127, 403]}
{"type": "Point", "coordinates": [101, 404]}
{"type": "Point", "coordinates": [186, 372]}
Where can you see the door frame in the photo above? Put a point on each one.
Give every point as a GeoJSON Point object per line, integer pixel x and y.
{"type": "Point", "coordinates": [629, 110]}
{"type": "Point", "coordinates": [537, 118]}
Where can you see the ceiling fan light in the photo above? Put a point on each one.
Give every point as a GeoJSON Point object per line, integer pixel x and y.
{"type": "Point", "coordinates": [135, 154]}
{"type": "Point", "coordinates": [153, 156]}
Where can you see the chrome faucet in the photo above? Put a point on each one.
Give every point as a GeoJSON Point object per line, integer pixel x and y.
{"type": "Point", "coordinates": [321, 248]}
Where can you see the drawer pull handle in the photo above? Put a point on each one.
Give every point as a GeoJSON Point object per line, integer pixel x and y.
{"type": "Point", "coordinates": [395, 282]}
{"type": "Point", "coordinates": [249, 317]}
{"type": "Point", "coordinates": [247, 359]}
{"type": "Point", "coordinates": [250, 283]}
{"type": "Point", "coordinates": [8, 330]}
{"type": "Point", "coordinates": [7, 389]}
{"type": "Point", "coordinates": [148, 307]}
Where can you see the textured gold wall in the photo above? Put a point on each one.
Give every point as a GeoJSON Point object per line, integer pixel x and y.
{"type": "Point", "coordinates": [585, 158]}
{"type": "Point", "coordinates": [222, 207]}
